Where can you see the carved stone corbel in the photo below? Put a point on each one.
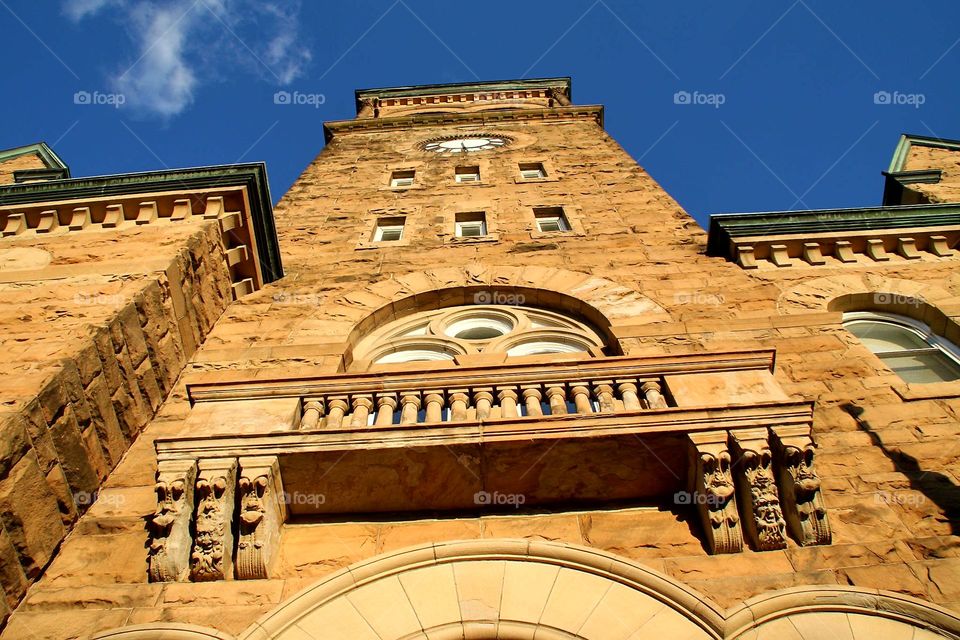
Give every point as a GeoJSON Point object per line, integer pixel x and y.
{"type": "Point", "coordinates": [262, 511]}
{"type": "Point", "coordinates": [168, 558]}
{"type": "Point", "coordinates": [803, 505]}
{"type": "Point", "coordinates": [758, 497]}
{"type": "Point", "coordinates": [212, 555]}
{"type": "Point", "coordinates": [713, 491]}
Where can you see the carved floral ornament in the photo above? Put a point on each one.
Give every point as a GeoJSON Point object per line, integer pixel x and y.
{"type": "Point", "coordinates": [447, 333]}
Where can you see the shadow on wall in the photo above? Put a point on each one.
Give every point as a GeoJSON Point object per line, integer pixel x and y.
{"type": "Point", "coordinates": [935, 486]}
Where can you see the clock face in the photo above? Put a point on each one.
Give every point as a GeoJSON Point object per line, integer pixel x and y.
{"type": "Point", "coordinates": [465, 145]}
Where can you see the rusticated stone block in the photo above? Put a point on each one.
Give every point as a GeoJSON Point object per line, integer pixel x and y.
{"type": "Point", "coordinates": [13, 581]}
{"type": "Point", "coordinates": [30, 517]}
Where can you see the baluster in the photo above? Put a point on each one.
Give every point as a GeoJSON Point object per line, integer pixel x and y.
{"type": "Point", "coordinates": [434, 402]}
{"type": "Point", "coordinates": [507, 396]}
{"type": "Point", "coordinates": [532, 398]}
{"type": "Point", "coordinates": [312, 412]}
{"type": "Point", "coordinates": [411, 408]}
{"type": "Point", "coordinates": [386, 405]}
{"type": "Point", "coordinates": [482, 400]}
{"type": "Point", "coordinates": [581, 398]}
{"type": "Point", "coordinates": [557, 397]}
{"type": "Point", "coordinates": [604, 391]}
{"type": "Point", "coordinates": [361, 410]}
{"type": "Point", "coordinates": [337, 409]}
{"type": "Point", "coordinates": [458, 406]}
{"type": "Point", "coordinates": [628, 391]}
{"type": "Point", "coordinates": [655, 399]}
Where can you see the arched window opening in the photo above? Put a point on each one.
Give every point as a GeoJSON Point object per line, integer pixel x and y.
{"type": "Point", "coordinates": [906, 346]}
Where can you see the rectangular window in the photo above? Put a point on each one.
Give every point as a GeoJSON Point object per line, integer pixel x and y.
{"type": "Point", "coordinates": [467, 174]}
{"type": "Point", "coordinates": [402, 178]}
{"type": "Point", "coordinates": [471, 225]}
{"type": "Point", "coordinates": [550, 219]}
{"type": "Point", "coordinates": [389, 230]}
{"type": "Point", "coordinates": [532, 170]}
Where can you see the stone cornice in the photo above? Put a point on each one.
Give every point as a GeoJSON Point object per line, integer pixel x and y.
{"type": "Point", "coordinates": [238, 196]}
{"type": "Point", "coordinates": [577, 112]}
{"type": "Point", "coordinates": [836, 235]}
{"type": "Point", "coordinates": [497, 86]}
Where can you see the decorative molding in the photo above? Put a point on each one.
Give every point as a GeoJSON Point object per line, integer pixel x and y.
{"type": "Point", "coordinates": [714, 493]}
{"type": "Point", "coordinates": [261, 512]}
{"type": "Point", "coordinates": [803, 505]}
{"type": "Point", "coordinates": [170, 541]}
{"type": "Point", "coordinates": [212, 555]}
{"type": "Point", "coordinates": [758, 497]}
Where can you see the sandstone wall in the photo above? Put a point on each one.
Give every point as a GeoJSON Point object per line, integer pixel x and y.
{"type": "Point", "coordinates": [888, 455]}
{"type": "Point", "coordinates": [26, 161]}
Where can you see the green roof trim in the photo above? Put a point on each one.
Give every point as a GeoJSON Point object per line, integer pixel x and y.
{"type": "Point", "coordinates": [42, 149]}
{"type": "Point", "coordinates": [726, 228]}
{"type": "Point", "coordinates": [253, 176]}
{"type": "Point", "coordinates": [462, 87]}
{"type": "Point", "coordinates": [907, 140]}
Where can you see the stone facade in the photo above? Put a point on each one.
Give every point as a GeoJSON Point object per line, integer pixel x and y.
{"type": "Point", "coordinates": [271, 482]}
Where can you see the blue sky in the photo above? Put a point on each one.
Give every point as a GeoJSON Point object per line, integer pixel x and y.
{"type": "Point", "coordinates": [781, 107]}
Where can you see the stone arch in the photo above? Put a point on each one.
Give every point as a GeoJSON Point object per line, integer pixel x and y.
{"type": "Point", "coordinates": [163, 631]}
{"type": "Point", "coordinates": [601, 302]}
{"type": "Point", "coordinates": [864, 291]}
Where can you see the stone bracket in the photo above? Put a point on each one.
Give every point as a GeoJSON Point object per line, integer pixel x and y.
{"type": "Point", "coordinates": [758, 496]}
{"type": "Point", "coordinates": [713, 493]}
{"type": "Point", "coordinates": [170, 540]}
{"type": "Point", "coordinates": [803, 505]}
{"type": "Point", "coordinates": [262, 511]}
{"type": "Point", "coordinates": [212, 555]}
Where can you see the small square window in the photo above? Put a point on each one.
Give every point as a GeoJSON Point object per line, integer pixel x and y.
{"type": "Point", "coordinates": [389, 230]}
{"type": "Point", "coordinates": [551, 219]}
{"type": "Point", "coordinates": [467, 174]}
{"type": "Point", "coordinates": [402, 178]}
{"type": "Point", "coordinates": [471, 225]}
{"type": "Point", "coordinates": [532, 170]}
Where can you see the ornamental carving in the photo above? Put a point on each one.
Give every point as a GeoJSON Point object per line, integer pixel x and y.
{"type": "Point", "coordinates": [213, 542]}
{"type": "Point", "coordinates": [714, 492]}
{"type": "Point", "coordinates": [259, 517]}
{"type": "Point", "coordinates": [169, 526]}
{"type": "Point", "coordinates": [803, 506]}
{"type": "Point", "coordinates": [765, 525]}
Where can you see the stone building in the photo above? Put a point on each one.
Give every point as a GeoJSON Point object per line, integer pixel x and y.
{"type": "Point", "coordinates": [500, 386]}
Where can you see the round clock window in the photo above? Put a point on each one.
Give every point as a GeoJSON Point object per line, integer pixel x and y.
{"type": "Point", "coordinates": [465, 145]}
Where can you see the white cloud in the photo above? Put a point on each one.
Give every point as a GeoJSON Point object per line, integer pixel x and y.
{"type": "Point", "coordinates": [183, 43]}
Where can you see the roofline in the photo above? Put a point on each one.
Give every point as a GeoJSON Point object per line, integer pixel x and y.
{"type": "Point", "coordinates": [436, 89]}
{"type": "Point", "coordinates": [252, 175]}
{"type": "Point", "coordinates": [42, 149]}
{"type": "Point", "coordinates": [908, 139]}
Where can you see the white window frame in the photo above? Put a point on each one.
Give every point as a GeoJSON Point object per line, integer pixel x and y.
{"type": "Point", "coordinates": [936, 343]}
{"type": "Point", "coordinates": [403, 178]}
{"type": "Point", "coordinates": [466, 174]}
{"type": "Point", "coordinates": [383, 229]}
{"type": "Point", "coordinates": [477, 220]}
{"type": "Point", "coordinates": [537, 173]}
{"type": "Point", "coordinates": [545, 214]}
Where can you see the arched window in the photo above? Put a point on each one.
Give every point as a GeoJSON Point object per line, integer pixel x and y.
{"type": "Point", "coordinates": [445, 333]}
{"type": "Point", "coordinates": [907, 346]}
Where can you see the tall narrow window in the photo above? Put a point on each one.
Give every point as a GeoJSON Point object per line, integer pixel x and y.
{"type": "Point", "coordinates": [471, 225]}
{"type": "Point", "coordinates": [389, 230]}
{"type": "Point", "coordinates": [402, 178]}
{"type": "Point", "coordinates": [532, 170]}
{"type": "Point", "coordinates": [908, 347]}
{"type": "Point", "coordinates": [467, 174]}
{"type": "Point", "coordinates": [551, 219]}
